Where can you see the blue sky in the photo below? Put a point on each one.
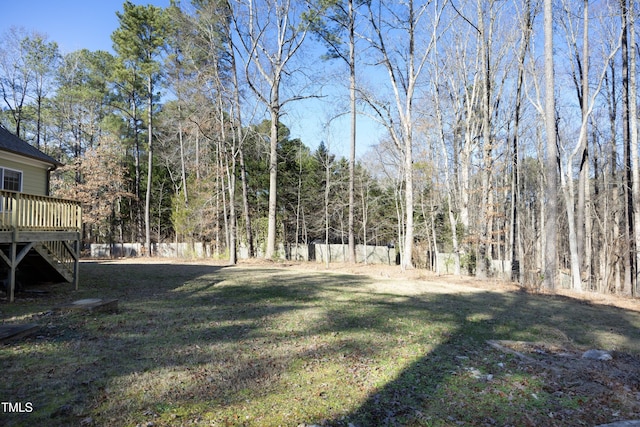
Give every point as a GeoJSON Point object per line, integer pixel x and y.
{"type": "Point", "coordinates": [73, 24]}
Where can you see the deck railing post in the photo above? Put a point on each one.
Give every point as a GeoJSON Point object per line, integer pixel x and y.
{"type": "Point", "coordinates": [15, 216]}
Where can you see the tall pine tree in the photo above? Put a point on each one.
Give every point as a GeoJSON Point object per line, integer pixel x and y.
{"type": "Point", "coordinates": [139, 43]}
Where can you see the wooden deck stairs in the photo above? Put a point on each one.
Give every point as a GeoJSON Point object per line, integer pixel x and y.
{"type": "Point", "coordinates": [59, 256]}
{"type": "Point", "coordinates": [39, 239]}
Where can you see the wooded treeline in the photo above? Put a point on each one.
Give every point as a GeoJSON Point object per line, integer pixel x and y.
{"type": "Point", "coordinates": [511, 129]}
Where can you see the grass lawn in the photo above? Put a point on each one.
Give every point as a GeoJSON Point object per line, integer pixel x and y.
{"type": "Point", "coordinates": [270, 345]}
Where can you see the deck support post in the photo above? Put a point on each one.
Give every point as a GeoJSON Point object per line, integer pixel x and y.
{"type": "Point", "coordinates": [12, 262]}
{"type": "Point", "coordinates": [12, 270]}
{"type": "Point", "coordinates": [76, 261]}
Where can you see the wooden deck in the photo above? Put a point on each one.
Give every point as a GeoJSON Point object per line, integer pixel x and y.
{"type": "Point", "coordinates": [47, 227]}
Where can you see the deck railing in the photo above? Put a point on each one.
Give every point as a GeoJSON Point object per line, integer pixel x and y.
{"type": "Point", "coordinates": [38, 213]}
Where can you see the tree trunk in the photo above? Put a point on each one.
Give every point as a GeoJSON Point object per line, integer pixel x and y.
{"type": "Point", "coordinates": [245, 204]}
{"type": "Point", "coordinates": [327, 187]}
{"type": "Point", "coordinates": [628, 246]}
{"type": "Point", "coordinates": [183, 171]}
{"type": "Point", "coordinates": [352, 154]}
{"type": "Point", "coordinates": [407, 261]}
{"type": "Point", "coordinates": [299, 216]}
{"type": "Point", "coordinates": [231, 178]}
{"type": "Point", "coordinates": [633, 122]}
{"type": "Point", "coordinates": [453, 221]}
{"type": "Point", "coordinates": [138, 178]}
{"type": "Point", "coordinates": [515, 185]}
{"type": "Point", "coordinates": [147, 204]}
{"type": "Point", "coordinates": [583, 156]}
{"type": "Point", "coordinates": [551, 161]}
{"type": "Point", "coordinates": [222, 166]}
{"type": "Point", "coordinates": [364, 199]}
{"type": "Point", "coordinates": [240, 142]}
{"type": "Point", "coordinates": [569, 201]}
{"type": "Point", "coordinates": [484, 242]}
{"type": "Point", "coordinates": [273, 172]}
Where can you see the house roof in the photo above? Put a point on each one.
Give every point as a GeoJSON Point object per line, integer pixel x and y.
{"type": "Point", "coordinates": [11, 143]}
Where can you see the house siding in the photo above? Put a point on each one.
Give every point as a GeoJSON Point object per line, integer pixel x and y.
{"type": "Point", "coordinates": [34, 179]}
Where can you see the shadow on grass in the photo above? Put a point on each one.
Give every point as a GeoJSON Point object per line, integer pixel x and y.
{"type": "Point", "coordinates": [196, 344]}
{"type": "Point", "coordinates": [169, 316]}
{"type": "Point", "coordinates": [453, 384]}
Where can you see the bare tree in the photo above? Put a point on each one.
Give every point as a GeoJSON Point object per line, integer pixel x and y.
{"type": "Point", "coordinates": [397, 39]}
{"type": "Point", "coordinates": [448, 182]}
{"type": "Point", "coordinates": [629, 250]}
{"type": "Point", "coordinates": [517, 255]}
{"type": "Point", "coordinates": [462, 84]}
{"type": "Point", "coordinates": [487, 144]}
{"type": "Point", "coordinates": [633, 124]}
{"type": "Point", "coordinates": [16, 77]}
{"type": "Point", "coordinates": [270, 34]}
{"type": "Point", "coordinates": [551, 161]}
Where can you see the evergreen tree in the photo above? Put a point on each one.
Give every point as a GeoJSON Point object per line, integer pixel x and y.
{"type": "Point", "coordinates": [139, 42]}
